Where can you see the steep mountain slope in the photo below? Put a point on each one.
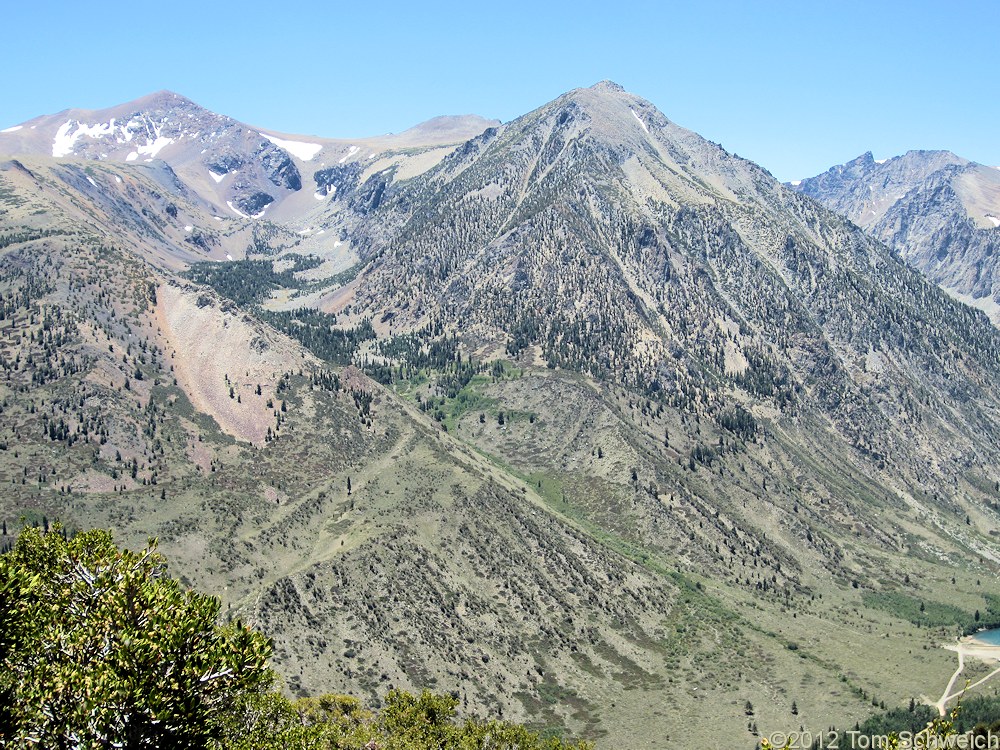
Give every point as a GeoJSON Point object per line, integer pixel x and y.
{"type": "Point", "coordinates": [585, 419]}
{"type": "Point", "coordinates": [595, 236]}
{"type": "Point", "coordinates": [939, 211]}
{"type": "Point", "coordinates": [600, 236]}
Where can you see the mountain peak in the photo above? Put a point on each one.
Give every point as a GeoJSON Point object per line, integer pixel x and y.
{"type": "Point", "coordinates": [608, 86]}
{"type": "Point", "coordinates": [163, 97]}
{"type": "Point", "coordinates": [604, 91]}
{"type": "Point", "coordinates": [935, 157]}
{"type": "Point", "coordinates": [614, 111]}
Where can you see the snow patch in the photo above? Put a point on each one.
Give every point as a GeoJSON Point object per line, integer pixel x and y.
{"type": "Point", "coordinates": [188, 228]}
{"type": "Point", "coordinates": [994, 219]}
{"type": "Point", "coordinates": [118, 179]}
{"type": "Point", "coordinates": [132, 156]}
{"type": "Point", "coordinates": [298, 149]}
{"type": "Point", "coordinates": [245, 216]}
{"type": "Point", "coordinates": [881, 161]}
{"type": "Point", "coordinates": [636, 116]}
{"type": "Point", "coordinates": [217, 177]}
{"type": "Point", "coordinates": [371, 156]}
{"type": "Point", "coordinates": [338, 243]}
{"type": "Point", "coordinates": [66, 136]}
{"type": "Point", "coordinates": [91, 181]}
{"type": "Point", "coordinates": [236, 210]}
{"type": "Point", "coordinates": [152, 148]}
{"type": "Point", "coordinates": [155, 140]}
{"type": "Point", "coordinates": [795, 183]}
{"type": "Point", "coordinates": [13, 129]}
{"type": "Point", "coordinates": [228, 256]}
{"type": "Point", "coordinates": [351, 152]}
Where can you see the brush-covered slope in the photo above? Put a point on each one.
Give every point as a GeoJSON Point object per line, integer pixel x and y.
{"type": "Point", "coordinates": [601, 427]}
{"type": "Point", "coordinates": [375, 550]}
{"type": "Point", "coordinates": [939, 211]}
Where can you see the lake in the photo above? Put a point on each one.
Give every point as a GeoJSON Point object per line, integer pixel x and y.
{"type": "Point", "coordinates": [991, 637]}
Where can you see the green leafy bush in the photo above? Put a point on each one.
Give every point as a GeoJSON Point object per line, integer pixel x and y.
{"type": "Point", "coordinates": [100, 648]}
{"type": "Point", "coordinates": [406, 722]}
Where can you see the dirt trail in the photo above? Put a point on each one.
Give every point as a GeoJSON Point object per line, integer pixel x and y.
{"type": "Point", "coordinates": [942, 703]}
{"type": "Point", "coordinates": [974, 649]}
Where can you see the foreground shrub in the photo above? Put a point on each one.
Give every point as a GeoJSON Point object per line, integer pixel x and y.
{"type": "Point", "coordinates": [99, 648]}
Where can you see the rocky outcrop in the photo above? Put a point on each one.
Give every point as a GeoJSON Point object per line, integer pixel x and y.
{"type": "Point", "coordinates": [940, 212]}
{"type": "Point", "coordinates": [278, 166]}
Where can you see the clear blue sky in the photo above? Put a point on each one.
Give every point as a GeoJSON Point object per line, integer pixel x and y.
{"type": "Point", "coordinates": [796, 86]}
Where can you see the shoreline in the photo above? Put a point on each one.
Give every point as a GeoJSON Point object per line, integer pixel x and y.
{"type": "Point", "coordinates": [972, 646]}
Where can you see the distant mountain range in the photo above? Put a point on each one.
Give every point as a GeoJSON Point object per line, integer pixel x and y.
{"type": "Point", "coordinates": [939, 211]}
{"type": "Point", "coordinates": [579, 416]}
{"type": "Point", "coordinates": [244, 171]}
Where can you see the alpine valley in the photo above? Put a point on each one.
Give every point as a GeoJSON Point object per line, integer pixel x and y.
{"type": "Point", "coordinates": [578, 416]}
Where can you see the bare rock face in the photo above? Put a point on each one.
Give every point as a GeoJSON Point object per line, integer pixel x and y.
{"type": "Point", "coordinates": [249, 201]}
{"type": "Point", "coordinates": [279, 167]}
{"type": "Point", "coordinates": [218, 354]}
{"type": "Point", "coordinates": [939, 211]}
{"type": "Point", "coordinates": [864, 189]}
{"type": "Point", "coordinates": [225, 162]}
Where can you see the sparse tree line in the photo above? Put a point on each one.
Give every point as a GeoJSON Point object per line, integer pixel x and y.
{"type": "Point", "coordinates": [249, 282]}
{"type": "Point", "coordinates": [64, 319]}
{"type": "Point", "coordinates": [27, 235]}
